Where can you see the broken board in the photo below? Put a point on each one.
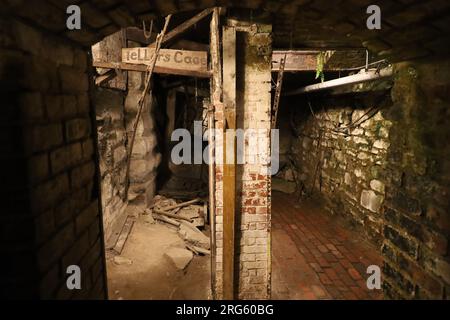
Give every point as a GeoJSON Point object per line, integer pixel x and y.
{"type": "Point", "coordinates": [124, 233]}
{"type": "Point", "coordinates": [168, 58]}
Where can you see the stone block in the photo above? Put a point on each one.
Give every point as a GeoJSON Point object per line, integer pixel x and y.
{"type": "Point", "coordinates": [179, 257]}
{"type": "Point", "coordinates": [77, 129]}
{"type": "Point", "coordinates": [120, 154]}
{"type": "Point", "coordinates": [86, 217]}
{"type": "Point", "coordinates": [377, 185]}
{"type": "Point", "coordinates": [81, 175]}
{"type": "Point", "coordinates": [409, 246]}
{"type": "Point", "coordinates": [381, 144]}
{"type": "Point", "coordinates": [40, 138]}
{"type": "Point", "coordinates": [371, 201]}
{"type": "Point", "coordinates": [73, 80]}
{"type": "Point", "coordinates": [48, 194]}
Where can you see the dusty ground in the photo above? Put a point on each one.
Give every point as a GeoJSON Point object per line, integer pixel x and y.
{"type": "Point", "coordinates": [151, 276]}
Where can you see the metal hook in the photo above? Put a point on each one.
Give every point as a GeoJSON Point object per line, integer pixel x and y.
{"type": "Point", "coordinates": [149, 34]}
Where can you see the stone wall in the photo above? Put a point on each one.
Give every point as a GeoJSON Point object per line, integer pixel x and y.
{"type": "Point", "coordinates": [389, 175]}
{"type": "Point", "coordinates": [111, 137]}
{"type": "Point", "coordinates": [145, 157]}
{"type": "Point", "coordinates": [252, 181]}
{"type": "Point", "coordinates": [342, 162]}
{"type": "Point", "coordinates": [116, 106]}
{"type": "Point", "coordinates": [50, 215]}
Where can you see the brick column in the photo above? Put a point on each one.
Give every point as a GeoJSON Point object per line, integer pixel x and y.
{"type": "Point", "coordinates": [253, 103]}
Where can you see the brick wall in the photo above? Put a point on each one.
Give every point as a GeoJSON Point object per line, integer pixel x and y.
{"type": "Point", "coordinates": [252, 181]}
{"type": "Point", "coordinates": [389, 175]}
{"type": "Point", "coordinates": [50, 212]}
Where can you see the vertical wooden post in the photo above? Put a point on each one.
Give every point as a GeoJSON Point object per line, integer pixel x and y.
{"type": "Point", "coordinates": [216, 96]}
{"type": "Point", "coordinates": [170, 112]}
{"type": "Point", "coordinates": [216, 85]}
{"type": "Point", "coordinates": [229, 168]}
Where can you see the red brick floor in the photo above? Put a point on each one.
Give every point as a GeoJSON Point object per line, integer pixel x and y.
{"type": "Point", "coordinates": [314, 256]}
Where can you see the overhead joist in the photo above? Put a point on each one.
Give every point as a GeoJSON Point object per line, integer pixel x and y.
{"type": "Point", "coordinates": [306, 60]}
{"type": "Point", "coordinates": [216, 96]}
{"type": "Point", "coordinates": [370, 75]}
{"type": "Point", "coordinates": [185, 26]}
{"type": "Point", "coordinates": [158, 69]}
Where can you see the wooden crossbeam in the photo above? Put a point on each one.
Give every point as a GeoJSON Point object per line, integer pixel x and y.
{"type": "Point", "coordinates": [108, 75]}
{"type": "Point", "coordinates": [158, 69]}
{"type": "Point", "coordinates": [276, 100]}
{"type": "Point", "coordinates": [216, 96]}
{"type": "Point", "coordinates": [306, 60]}
{"type": "Point", "coordinates": [185, 26]}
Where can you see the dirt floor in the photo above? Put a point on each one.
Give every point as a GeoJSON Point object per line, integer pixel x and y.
{"type": "Point", "coordinates": [316, 255]}
{"type": "Point", "coordinates": [151, 276]}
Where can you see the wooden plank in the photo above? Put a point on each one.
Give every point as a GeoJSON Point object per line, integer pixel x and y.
{"type": "Point", "coordinates": [168, 58]}
{"type": "Point", "coordinates": [143, 68]}
{"type": "Point", "coordinates": [109, 50]}
{"type": "Point", "coordinates": [124, 233]}
{"type": "Point", "coordinates": [108, 75]}
{"type": "Point", "coordinates": [216, 94]}
{"type": "Point", "coordinates": [170, 112]}
{"type": "Point", "coordinates": [185, 26]}
{"type": "Point", "coordinates": [306, 60]}
{"type": "Point", "coordinates": [216, 81]}
{"type": "Point", "coordinates": [295, 60]}
{"type": "Point", "coordinates": [229, 167]}
{"type": "Point", "coordinates": [276, 100]}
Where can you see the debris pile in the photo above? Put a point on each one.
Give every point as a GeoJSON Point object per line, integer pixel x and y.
{"type": "Point", "coordinates": [187, 218]}
{"type": "Point", "coordinates": [284, 180]}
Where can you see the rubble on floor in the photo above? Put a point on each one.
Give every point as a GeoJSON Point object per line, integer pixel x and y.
{"type": "Point", "coordinates": [187, 218]}
{"type": "Point", "coordinates": [282, 185]}
{"type": "Point", "coordinates": [284, 180]}
{"type": "Point", "coordinates": [119, 260]}
{"type": "Point", "coordinates": [179, 257]}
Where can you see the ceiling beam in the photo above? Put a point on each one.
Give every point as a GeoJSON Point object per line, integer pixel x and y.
{"type": "Point", "coordinates": [185, 26]}
{"type": "Point", "coordinates": [306, 60]}
{"type": "Point", "coordinates": [158, 69]}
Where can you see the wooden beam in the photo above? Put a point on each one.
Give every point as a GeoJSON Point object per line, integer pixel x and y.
{"type": "Point", "coordinates": [216, 81]}
{"type": "Point", "coordinates": [185, 26]}
{"type": "Point", "coordinates": [143, 68]}
{"type": "Point", "coordinates": [306, 60]}
{"type": "Point", "coordinates": [216, 95]}
{"type": "Point", "coordinates": [229, 167]}
{"type": "Point", "coordinates": [108, 75]}
{"type": "Point", "coordinates": [276, 100]}
{"type": "Point", "coordinates": [170, 112]}
{"type": "Point", "coordinates": [168, 58]}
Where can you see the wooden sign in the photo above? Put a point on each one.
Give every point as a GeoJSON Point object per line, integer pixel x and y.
{"type": "Point", "coordinates": [295, 60]}
{"type": "Point", "coordinates": [168, 58]}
